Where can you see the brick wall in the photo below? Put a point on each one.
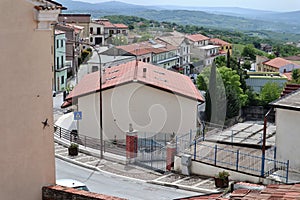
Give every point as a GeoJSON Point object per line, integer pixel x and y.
{"type": "Point", "coordinates": [63, 193]}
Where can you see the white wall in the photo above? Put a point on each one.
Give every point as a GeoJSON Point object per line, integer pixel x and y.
{"type": "Point", "coordinates": [148, 109]}
{"type": "Point", "coordinates": [288, 136]}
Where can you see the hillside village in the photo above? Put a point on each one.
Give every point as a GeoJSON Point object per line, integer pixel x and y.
{"type": "Point", "coordinates": [186, 110]}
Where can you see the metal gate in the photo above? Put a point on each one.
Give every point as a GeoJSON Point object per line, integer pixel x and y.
{"type": "Point", "coordinates": [152, 151]}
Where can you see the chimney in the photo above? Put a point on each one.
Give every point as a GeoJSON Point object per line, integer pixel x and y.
{"type": "Point", "coordinates": [103, 77]}
{"type": "Point", "coordinates": [144, 72]}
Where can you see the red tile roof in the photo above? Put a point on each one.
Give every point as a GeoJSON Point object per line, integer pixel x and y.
{"type": "Point", "coordinates": [105, 23]}
{"type": "Point", "coordinates": [277, 62]}
{"type": "Point", "coordinates": [120, 26]}
{"type": "Point", "coordinates": [156, 77]}
{"type": "Point", "coordinates": [217, 41]}
{"type": "Point", "coordinates": [143, 48]}
{"type": "Point", "coordinates": [288, 75]}
{"type": "Point", "coordinates": [197, 37]}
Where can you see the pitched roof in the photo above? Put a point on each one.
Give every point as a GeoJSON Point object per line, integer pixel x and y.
{"type": "Point", "coordinates": [49, 5]}
{"type": "Point", "coordinates": [173, 40]}
{"type": "Point", "coordinates": [277, 62]}
{"type": "Point", "coordinates": [143, 48]}
{"type": "Point", "coordinates": [197, 37]}
{"type": "Point", "coordinates": [156, 77]}
{"type": "Point", "coordinates": [120, 26]}
{"type": "Point", "coordinates": [290, 101]}
{"type": "Point", "coordinates": [217, 41]}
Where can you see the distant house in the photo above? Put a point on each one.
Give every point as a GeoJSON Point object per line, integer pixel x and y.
{"type": "Point", "coordinates": [279, 65]}
{"type": "Point", "coordinates": [208, 53]}
{"type": "Point", "coordinates": [198, 40]}
{"type": "Point", "coordinates": [96, 36]}
{"type": "Point", "coordinates": [153, 99]}
{"type": "Point", "coordinates": [73, 33]}
{"type": "Point", "coordinates": [266, 48]}
{"type": "Point", "coordinates": [257, 80]}
{"type": "Point", "coordinates": [60, 67]}
{"type": "Point", "coordinates": [78, 19]}
{"type": "Point", "coordinates": [153, 51]}
{"type": "Point", "coordinates": [183, 51]}
{"type": "Point", "coordinates": [107, 30]}
{"type": "Point", "coordinates": [224, 47]}
{"type": "Point", "coordinates": [287, 128]}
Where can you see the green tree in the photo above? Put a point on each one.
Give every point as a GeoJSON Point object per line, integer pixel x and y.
{"type": "Point", "coordinates": [270, 92]}
{"type": "Point", "coordinates": [296, 76]}
{"type": "Point", "coordinates": [249, 52]}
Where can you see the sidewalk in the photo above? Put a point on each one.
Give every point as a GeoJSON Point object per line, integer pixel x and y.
{"type": "Point", "coordinates": [116, 166]}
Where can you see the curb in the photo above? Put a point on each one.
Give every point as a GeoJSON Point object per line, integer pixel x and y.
{"type": "Point", "coordinates": [183, 187]}
{"type": "Point", "coordinates": [97, 169]}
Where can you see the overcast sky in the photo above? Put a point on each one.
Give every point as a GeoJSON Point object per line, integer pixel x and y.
{"type": "Point", "coordinates": [274, 5]}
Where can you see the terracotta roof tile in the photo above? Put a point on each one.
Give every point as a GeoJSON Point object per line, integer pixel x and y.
{"type": "Point", "coordinates": [217, 41]}
{"type": "Point", "coordinates": [120, 26]}
{"type": "Point", "coordinates": [128, 72]}
{"type": "Point", "coordinates": [277, 62]}
{"type": "Point", "coordinates": [143, 48]}
{"type": "Point", "coordinates": [197, 37]}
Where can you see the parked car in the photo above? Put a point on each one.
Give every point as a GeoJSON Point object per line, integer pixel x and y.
{"type": "Point", "coordinates": [72, 184]}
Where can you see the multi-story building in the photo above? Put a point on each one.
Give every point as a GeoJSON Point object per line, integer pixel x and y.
{"type": "Point", "coordinates": [154, 52]}
{"type": "Point", "coordinates": [104, 30]}
{"type": "Point", "coordinates": [198, 40]}
{"type": "Point", "coordinates": [208, 53]}
{"type": "Point", "coordinates": [82, 20]}
{"type": "Point", "coordinates": [279, 65]}
{"type": "Point", "coordinates": [96, 34]}
{"type": "Point", "coordinates": [27, 146]}
{"type": "Point", "coordinates": [224, 47]}
{"type": "Point", "coordinates": [60, 67]}
{"type": "Point", "coordinates": [73, 47]}
{"type": "Point", "coordinates": [183, 51]}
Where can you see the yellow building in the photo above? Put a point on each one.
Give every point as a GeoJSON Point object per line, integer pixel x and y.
{"type": "Point", "coordinates": [223, 46]}
{"type": "Point", "coordinates": [27, 148]}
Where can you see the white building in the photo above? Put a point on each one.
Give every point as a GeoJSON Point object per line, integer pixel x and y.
{"type": "Point", "coordinates": [287, 128]}
{"type": "Point", "coordinates": [153, 99]}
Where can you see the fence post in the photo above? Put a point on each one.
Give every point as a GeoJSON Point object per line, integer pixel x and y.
{"type": "Point", "coordinates": [216, 151]}
{"type": "Point", "coordinates": [59, 132]}
{"type": "Point", "coordinates": [85, 141]}
{"type": "Point", "coordinates": [287, 171]}
{"type": "Point", "coordinates": [237, 159]}
{"type": "Point", "coordinates": [275, 149]}
{"type": "Point", "coordinates": [190, 136]}
{"type": "Point", "coordinates": [231, 136]}
{"type": "Point", "coordinates": [195, 149]}
{"type": "Point", "coordinates": [262, 165]}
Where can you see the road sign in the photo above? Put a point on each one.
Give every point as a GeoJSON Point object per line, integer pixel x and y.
{"type": "Point", "coordinates": [77, 115]}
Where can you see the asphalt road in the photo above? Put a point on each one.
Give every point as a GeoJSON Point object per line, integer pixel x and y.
{"type": "Point", "coordinates": [115, 186]}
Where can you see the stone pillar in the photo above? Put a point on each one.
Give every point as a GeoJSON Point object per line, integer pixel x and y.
{"type": "Point", "coordinates": [131, 144]}
{"type": "Point", "coordinates": [171, 152]}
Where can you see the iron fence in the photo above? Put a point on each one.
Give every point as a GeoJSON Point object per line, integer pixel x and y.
{"type": "Point", "coordinates": [94, 143]}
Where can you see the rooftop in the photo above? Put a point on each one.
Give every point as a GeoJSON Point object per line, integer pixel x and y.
{"type": "Point", "coordinates": [197, 37]}
{"type": "Point", "coordinates": [156, 77]}
{"type": "Point", "coordinates": [289, 102]}
{"type": "Point", "coordinates": [151, 46]}
{"type": "Point", "coordinates": [217, 41]}
{"type": "Point", "coordinates": [278, 62]}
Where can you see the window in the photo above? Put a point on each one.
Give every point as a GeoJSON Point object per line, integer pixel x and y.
{"type": "Point", "coordinates": [62, 61]}
{"type": "Point", "coordinates": [61, 43]}
{"type": "Point", "coordinates": [94, 68]}
{"type": "Point", "coordinates": [98, 31]}
{"type": "Point", "coordinates": [57, 43]}
{"type": "Point", "coordinates": [91, 30]}
{"type": "Point", "coordinates": [57, 62]}
{"type": "Point", "coordinates": [91, 39]}
{"type": "Point", "coordinates": [148, 59]}
{"type": "Point", "coordinates": [62, 80]}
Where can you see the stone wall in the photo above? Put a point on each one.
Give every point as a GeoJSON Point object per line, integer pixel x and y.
{"type": "Point", "coordinates": [63, 193]}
